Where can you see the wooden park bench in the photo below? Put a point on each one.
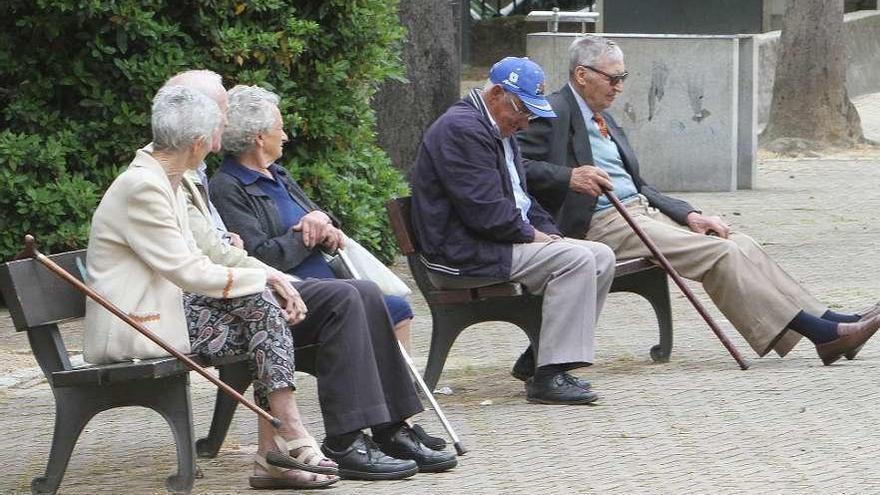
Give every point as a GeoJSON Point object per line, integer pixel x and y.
{"type": "Point", "coordinates": [452, 311]}
{"type": "Point", "coordinates": [38, 300]}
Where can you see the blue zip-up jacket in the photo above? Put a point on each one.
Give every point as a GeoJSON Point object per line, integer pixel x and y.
{"type": "Point", "coordinates": [463, 210]}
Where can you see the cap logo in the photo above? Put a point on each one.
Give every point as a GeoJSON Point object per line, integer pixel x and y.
{"type": "Point", "coordinates": [539, 91]}
{"type": "Point", "coordinates": [513, 77]}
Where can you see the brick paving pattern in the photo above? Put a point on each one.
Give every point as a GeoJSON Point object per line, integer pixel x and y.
{"type": "Point", "coordinates": [696, 424]}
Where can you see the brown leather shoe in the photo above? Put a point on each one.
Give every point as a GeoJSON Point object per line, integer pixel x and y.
{"type": "Point", "coordinates": [851, 337]}
{"type": "Point", "coordinates": [865, 314]}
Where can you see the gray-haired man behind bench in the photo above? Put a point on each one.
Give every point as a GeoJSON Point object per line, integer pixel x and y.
{"type": "Point", "coordinates": [478, 225]}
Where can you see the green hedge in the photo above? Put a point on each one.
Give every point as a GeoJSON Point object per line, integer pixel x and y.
{"type": "Point", "coordinates": [76, 80]}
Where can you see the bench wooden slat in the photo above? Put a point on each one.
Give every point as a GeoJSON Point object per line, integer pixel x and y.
{"type": "Point", "coordinates": [37, 297]}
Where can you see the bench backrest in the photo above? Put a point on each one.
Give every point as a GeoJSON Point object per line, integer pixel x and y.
{"type": "Point", "coordinates": [37, 297]}
{"type": "Point", "coordinates": [38, 300]}
{"type": "Point", "coordinates": [401, 223]}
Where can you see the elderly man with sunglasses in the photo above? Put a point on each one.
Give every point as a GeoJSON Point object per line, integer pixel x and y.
{"type": "Point", "coordinates": [478, 225]}
{"type": "Point", "coordinates": [576, 156]}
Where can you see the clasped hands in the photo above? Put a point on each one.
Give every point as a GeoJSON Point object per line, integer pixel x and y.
{"type": "Point", "coordinates": [317, 229]}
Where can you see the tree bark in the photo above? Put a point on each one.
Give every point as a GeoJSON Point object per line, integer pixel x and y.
{"type": "Point", "coordinates": [810, 101]}
{"type": "Point", "coordinates": [404, 110]}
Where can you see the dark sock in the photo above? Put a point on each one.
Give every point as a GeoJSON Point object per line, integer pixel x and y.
{"type": "Point", "coordinates": [341, 442]}
{"type": "Point", "coordinates": [840, 317]}
{"type": "Point", "coordinates": [817, 330]}
{"type": "Point", "coordinates": [544, 372]}
{"type": "Point", "coordinates": [385, 431]}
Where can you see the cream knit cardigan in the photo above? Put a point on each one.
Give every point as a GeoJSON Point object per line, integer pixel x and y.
{"type": "Point", "coordinates": [142, 256]}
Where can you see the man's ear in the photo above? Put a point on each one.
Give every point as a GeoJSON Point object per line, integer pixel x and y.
{"type": "Point", "coordinates": [495, 91]}
{"type": "Point", "coordinates": [579, 77]}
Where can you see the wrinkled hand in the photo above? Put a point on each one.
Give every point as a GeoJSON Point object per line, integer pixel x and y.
{"type": "Point", "coordinates": [313, 227]}
{"type": "Point", "coordinates": [590, 180]}
{"type": "Point", "coordinates": [294, 308]}
{"type": "Point", "coordinates": [333, 239]}
{"type": "Point", "coordinates": [542, 237]}
{"type": "Point", "coordinates": [702, 224]}
{"type": "Point", "coordinates": [235, 240]}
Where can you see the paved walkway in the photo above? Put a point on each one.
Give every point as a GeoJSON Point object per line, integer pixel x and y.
{"type": "Point", "coordinates": [696, 424]}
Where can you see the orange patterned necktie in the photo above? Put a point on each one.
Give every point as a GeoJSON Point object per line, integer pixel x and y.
{"type": "Point", "coordinates": [602, 127]}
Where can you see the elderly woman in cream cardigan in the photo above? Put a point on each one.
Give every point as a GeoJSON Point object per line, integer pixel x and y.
{"type": "Point", "coordinates": [142, 257]}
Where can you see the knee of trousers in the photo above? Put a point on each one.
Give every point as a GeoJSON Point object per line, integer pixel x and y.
{"type": "Point", "coordinates": [340, 293]}
{"type": "Point", "coordinates": [368, 291]}
{"type": "Point", "coordinates": [579, 258]}
{"type": "Point", "coordinates": [605, 257]}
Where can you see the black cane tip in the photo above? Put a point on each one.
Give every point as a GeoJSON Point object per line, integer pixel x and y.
{"type": "Point", "coordinates": [459, 448]}
{"type": "Point", "coordinates": [276, 423]}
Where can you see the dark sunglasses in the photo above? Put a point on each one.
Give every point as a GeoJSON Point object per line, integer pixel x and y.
{"type": "Point", "coordinates": [613, 79]}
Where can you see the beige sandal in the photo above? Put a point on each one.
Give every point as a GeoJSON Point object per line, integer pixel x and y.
{"type": "Point", "coordinates": [308, 459]}
{"type": "Point", "coordinates": [276, 479]}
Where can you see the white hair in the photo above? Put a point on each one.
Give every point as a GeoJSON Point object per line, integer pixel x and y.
{"type": "Point", "coordinates": [589, 50]}
{"type": "Point", "coordinates": [206, 81]}
{"type": "Point", "coordinates": [181, 115]}
{"type": "Point", "coordinates": [250, 113]}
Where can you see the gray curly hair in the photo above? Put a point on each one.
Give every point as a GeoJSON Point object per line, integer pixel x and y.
{"type": "Point", "coordinates": [589, 49]}
{"type": "Point", "coordinates": [249, 114]}
{"type": "Point", "coordinates": [181, 115]}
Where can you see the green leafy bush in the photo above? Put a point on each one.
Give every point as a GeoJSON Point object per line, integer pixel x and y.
{"type": "Point", "coordinates": [76, 79]}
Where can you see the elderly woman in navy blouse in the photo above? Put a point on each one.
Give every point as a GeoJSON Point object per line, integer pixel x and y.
{"type": "Point", "coordinates": [259, 200]}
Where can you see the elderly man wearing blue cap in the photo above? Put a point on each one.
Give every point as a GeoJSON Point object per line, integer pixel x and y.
{"type": "Point", "coordinates": [478, 225]}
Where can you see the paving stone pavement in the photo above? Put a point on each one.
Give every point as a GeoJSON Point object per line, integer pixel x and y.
{"type": "Point", "coordinates": [695, 425]}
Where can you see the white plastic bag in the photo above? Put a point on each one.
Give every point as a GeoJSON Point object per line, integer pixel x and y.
{"type": "Point", "coordinates": [364, 266]}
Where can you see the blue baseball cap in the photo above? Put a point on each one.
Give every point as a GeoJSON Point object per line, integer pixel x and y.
{"type": "Point", "coordinates": [525, 79]}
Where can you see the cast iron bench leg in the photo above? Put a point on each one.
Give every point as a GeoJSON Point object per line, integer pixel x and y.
{"type": "Point", "coordinates": [659, 299]}
{"type": "Point", "coordinates": [448, 323]}
{"type": "Point", "coordinates": [238, 376]}
{"type": "Point", "coordinates": [73, 410]}
{"type": "Point", "coordinates": [170, 398]}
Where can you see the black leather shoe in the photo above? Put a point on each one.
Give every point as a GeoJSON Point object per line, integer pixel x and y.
{"type": "Point", "coordinates": [524, 368]}
{"type": "Point", "coordinates": [363, 460]}
{"type": "Point", "coordinates": [404, 444]}
{"type": "Point", "coordinates": [560, 388]}
{"type": "Point", "coordinates": [435, 443]}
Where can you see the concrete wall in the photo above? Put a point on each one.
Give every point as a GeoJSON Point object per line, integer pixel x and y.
{"type": "Point", "coordinates": [681, 106]}
{"type": "Point", "coordinates": [863, 49]}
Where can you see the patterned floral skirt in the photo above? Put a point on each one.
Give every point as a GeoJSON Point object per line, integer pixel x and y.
{"type": "Point", "coordinates": [255, 324]}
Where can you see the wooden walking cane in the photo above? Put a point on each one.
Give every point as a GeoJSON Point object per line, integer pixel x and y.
{"type": "Point", "coordinates": [677, 279]}
{"type": "Point", "coordinates": [31, 252]}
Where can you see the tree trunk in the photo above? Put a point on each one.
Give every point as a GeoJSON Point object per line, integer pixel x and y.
{"type": "Point", "coordinates": [809, 93]}
{"type": "Point", "coordinates": [405, 110]}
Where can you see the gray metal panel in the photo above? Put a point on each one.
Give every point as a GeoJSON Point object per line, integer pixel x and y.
{"type": "Point", "coordinates": [683, 16]}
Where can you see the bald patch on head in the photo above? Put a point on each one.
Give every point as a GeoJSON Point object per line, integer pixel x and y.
{"type": "Point", "coordinates": [205, 81]}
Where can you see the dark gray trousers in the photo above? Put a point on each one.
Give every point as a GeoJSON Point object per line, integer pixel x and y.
{"type": "Point", "coordinates": [347, 342]}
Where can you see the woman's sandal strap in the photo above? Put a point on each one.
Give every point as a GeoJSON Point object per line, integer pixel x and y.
{"type": "Point", "coordinates": [311, 451]}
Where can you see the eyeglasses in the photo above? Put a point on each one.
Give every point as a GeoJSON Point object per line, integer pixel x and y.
{"type": "Point", "coordinates": [524, 111]}
{"type": "Point", "coordinates": [613, 79]}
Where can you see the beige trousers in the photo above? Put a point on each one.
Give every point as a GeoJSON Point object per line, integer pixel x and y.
{"type": "Point", "coordinates": [574, 277]}
{"type": "Point", "coordinates": [754, 293]}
